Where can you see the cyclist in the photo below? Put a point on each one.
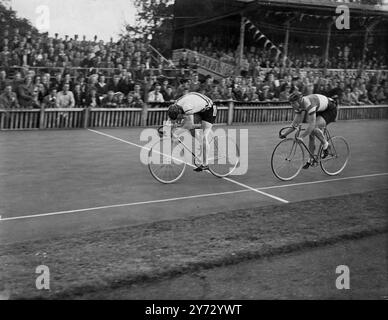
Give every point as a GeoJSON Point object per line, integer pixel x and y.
{"type": "Point", "coordinates": [318, 111]}
{"type": "Point", "coordinates": [184, 109]}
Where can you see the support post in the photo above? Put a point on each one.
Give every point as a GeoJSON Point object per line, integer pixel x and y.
{"type": "Point", "coordinates": [286, 42]}
{"type": "Point", "coordinates": [230, 112]}
{"type": "Point", "coordinates": [41, 118]}
{"type": "Point", "coordinates": [241, 44]}
{"type": "Point", "coordinates": [144, 115]}
{"type": "Point", "coordinates": [328, 37]}
{"type": "Point", "coordinates": [86, 117]}
{"type": "Point", "coordinates": [2, 116]}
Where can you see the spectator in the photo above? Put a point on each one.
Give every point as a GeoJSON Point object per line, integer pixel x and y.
{"type": "Point", "coordinates": [101, 86]}
{"type": "Point", "coordinates": [109, 101]}
{"type": "Point", "coordinates": [50, 101]}
{"type": "Point", "coordinates": [155, 95]}
{"type": "Point", "coordinates": [8, 99]}
{"type": "Point", "coordinates": [168, 94]}
{"type": "Point", "coordinates": [92, 100]}
{"type": "Point", "coordinates": [79, 96]}
{"type": "Point", "coordinates": [25, 93]}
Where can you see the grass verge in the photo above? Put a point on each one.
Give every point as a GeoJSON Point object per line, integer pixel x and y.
{"type": "Point", "coordinates": [105, 260]}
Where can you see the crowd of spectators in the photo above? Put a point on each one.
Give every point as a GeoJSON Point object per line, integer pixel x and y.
{"type": "Point", "coordinates": [40, 71]}
{"type": "Point", "coordinates": [342, 56]}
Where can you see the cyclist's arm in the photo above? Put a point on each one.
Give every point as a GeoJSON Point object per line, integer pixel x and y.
{"type": "Point", "coordinates": [294, 125]}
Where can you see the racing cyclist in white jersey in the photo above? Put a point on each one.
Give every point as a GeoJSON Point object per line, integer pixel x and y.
{"type": "Point", "coordinates": [318, 111]}
{"type": "Point", "coordinates": [201, 106]}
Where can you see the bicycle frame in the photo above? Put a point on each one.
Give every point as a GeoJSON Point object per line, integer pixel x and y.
{"type": "Point", "coordinates": [175, 136]}
{"type": "Point", "coordinates": [317, 157]}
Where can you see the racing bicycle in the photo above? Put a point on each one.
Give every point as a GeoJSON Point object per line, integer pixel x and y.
{"type": "Point", "coordinates": [168, 157]}
{"type": "Point", "coordinates": [288, 156]}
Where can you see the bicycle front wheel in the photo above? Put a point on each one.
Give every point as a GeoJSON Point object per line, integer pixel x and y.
{"type": "Point", "coordinates": [287, 159]}
{"type": "Point", "coordinates": [166, 160]}
{"type": "Point", "coordinates": [336, 161]}
{"type": "Point", "coordinates": [223, 156]}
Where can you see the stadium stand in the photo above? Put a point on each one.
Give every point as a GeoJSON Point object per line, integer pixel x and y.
{"type": "Point", "coordinates": [127, 73]}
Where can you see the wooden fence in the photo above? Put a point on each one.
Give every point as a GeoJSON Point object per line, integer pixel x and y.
{"type": "Point", "coordinates": [229, 112]}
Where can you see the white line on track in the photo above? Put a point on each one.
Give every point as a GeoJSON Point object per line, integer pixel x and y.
{"type": "Point", "coordinates": [227, 179]}
{"type": "Point", "coordinates": [123, 205]}
{"type": "Point", "coordinates": [188, 197]}
{"type": "Point", "coordinates": [327, 180]}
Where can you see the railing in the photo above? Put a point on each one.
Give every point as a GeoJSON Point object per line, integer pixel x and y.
{"type": "Point", "coordinates": [218, 67]}
{"type": "Point", "coordinates": [229, 112]}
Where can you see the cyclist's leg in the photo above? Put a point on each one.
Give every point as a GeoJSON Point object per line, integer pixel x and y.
{"type": "Point", "coordinates": [206, 129]}
{"type": "Point", "coordinates": [318, 131]}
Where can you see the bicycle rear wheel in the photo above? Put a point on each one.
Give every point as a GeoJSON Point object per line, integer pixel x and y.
{"type": "Point", "coordinates": [336, 161]}
{"type": "Point", "coordinates": [223, 156]}
{"type": "Point", "coordinates": [166, 160]}
{"type": "Point", "coordinates": [287, 159]}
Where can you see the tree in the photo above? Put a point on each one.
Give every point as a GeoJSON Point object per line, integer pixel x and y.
{"type": "Point", "coordinates": [154, 20]}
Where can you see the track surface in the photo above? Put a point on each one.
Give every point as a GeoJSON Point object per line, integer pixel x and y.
{"type": "Point", "coordinates": [61, 173]}
{"type": "Point", "coordinates": [301, 275]}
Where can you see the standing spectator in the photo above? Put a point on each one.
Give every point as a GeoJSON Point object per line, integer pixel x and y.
{"type": "Point", "coordinates": [65, 97]}
{"type": "Point", "coordinates": [155, 95]}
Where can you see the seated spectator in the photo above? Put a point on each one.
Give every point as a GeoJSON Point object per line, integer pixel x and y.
{"type": "Point", "coordinates": [25, 93]}
{"type": "Point", "coordinates": [346, 99]}
{"type": "Point", "coordinates": [184, 61]}
{"type": "Point", "coordinates": [373, 94]}
{"type": "Point", "coordinates": [50, 101]}
{"type": "Point", "coordinates": [109, 101]}
{"type": "Point", "coordinates": [8, 99]}
{"type": "Point", "coordinates": [228, 94]}
{"type": "Point", "coordinates": [195, 85]}
{"type": "Point", "coordinates": [363, 95]}
{"type": "Point", "coordinates": [3, 80]}
{"type": "Point", "coordinates": [381, 97]}
{"type": "Point", "coordinates": [65, 97]}
{"type": "Point", "coordinates": [101, 86]}
{"type": "Point", "coordinates": [266, 94]}
{"type": "Point", "coordinates": [79, 96]}
{"type": "Point", "coordinates": [114, 84]}
{"type": "Point", "coordinates": [168, 94]}
{"type": "Point", "coordinates": [35, 95]}
{"type": "Point", "coordinates": [215, 94]}
{"type": "Point", "coordinates": [120, 100]}
{"type": "Point", "coordinates": [92, 99]}
{"type": "Point", "coordinates": [285, 94]}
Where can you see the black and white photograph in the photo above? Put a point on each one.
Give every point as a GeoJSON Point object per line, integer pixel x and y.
{"type": "Point", "coordinates": [193, 155]}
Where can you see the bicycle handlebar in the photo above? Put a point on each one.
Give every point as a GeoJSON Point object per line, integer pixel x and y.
{"type": "Point", "coordinates": [298, 130]}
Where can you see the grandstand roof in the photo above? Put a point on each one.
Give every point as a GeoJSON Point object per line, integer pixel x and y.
{"type": "Point", "coordinates": [194, 12]}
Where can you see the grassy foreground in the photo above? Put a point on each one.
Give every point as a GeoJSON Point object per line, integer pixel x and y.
{"type": "Point", "coordinates": [105, 260]}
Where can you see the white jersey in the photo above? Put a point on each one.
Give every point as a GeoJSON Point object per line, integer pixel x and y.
{"type": "Point", "coordinates": [194, 102]}
{"type": "Point", "coordinates": [314, 103]}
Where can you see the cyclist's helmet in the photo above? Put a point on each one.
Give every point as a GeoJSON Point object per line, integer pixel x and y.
{"type": "Point", "coordinates": [295, 96]}
{"type": "Point", "coordinates": [174, 111]}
